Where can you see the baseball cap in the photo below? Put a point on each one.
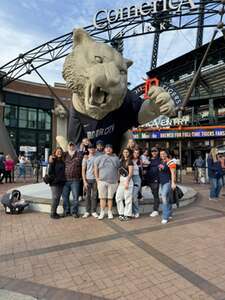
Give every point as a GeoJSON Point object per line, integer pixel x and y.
{"type": "Point", "coordinates": [100, 142]}
{"type": "Point", "coordinates": [108, 146]}
{"type": "Point", "coordinates": [154, 149]}
{"type": "Point", "coordinates": [91, 146]}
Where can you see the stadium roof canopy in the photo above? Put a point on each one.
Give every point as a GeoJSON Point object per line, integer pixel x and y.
{"type": "Point", "coordinates": [179, 72]}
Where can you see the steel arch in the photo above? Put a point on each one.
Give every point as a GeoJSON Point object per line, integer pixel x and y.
{"type": "Point", "coordinates": [134, 26]}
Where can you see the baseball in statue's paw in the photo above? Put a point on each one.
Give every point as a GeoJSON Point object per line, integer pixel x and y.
{"type": "Point", "coordinates": [162, 99]}
{"type": "Point", "coordinates": [62, 142]}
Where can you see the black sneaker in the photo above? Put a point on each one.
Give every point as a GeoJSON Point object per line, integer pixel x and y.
{"type": "Point", "coordinates": [126, 218]}
{"type": "Point", "coordinates": [121, 218]}
{"type": "Point", "coordinates": [76, 216]}
{"type": "Point", "coordinates": [55, 216]}
{"type": "Point", "coordinates": [66, 214]}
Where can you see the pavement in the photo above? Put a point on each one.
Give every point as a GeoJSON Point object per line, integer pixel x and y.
{"type": "Point", "coordinates": [47, 259]}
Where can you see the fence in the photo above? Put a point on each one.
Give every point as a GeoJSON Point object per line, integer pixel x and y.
{"type": "Point", "coordinates": [30, 173]}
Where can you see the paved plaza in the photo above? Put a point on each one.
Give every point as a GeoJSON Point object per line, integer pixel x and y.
{"type": "Point", "coordinates": [41, 258]}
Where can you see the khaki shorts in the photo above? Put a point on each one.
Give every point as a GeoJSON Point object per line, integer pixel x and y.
{"type": "Point", "coordinates": [106, 190]}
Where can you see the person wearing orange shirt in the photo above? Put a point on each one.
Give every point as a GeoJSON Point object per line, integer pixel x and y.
{"type": "Point", "coordinates": [167, 179]}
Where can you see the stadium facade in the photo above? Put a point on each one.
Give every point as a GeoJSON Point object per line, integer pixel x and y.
{"type": "Point", "coordinates": [33, 119]}
{"type": "Point", "coordinates": [202, 124]}
{"type": "Point", "coordinates": [31, 115]}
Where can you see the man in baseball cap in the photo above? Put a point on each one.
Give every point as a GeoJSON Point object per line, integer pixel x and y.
{"type": "Point", "coordinates": [99, 147]}
{"type": "Point", "coordinates": [91, 146]}
{"type": "Point", "coordinates": [100, 142]}
{"type": "Point", "coordinates": [109, 146]}
{"type": "Point", "coordinates": [106, 173]}
{"type": "Point", "coordinates": [154, 149]}
{"type": "Point", "coordinates": [73, 161]}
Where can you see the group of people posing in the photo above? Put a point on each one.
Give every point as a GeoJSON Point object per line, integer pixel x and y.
{"type": "Point", "coordinates": [106, 176]}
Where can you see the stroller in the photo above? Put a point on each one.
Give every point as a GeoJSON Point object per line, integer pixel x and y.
{"type": "Point", "coordinates": [12, 202]}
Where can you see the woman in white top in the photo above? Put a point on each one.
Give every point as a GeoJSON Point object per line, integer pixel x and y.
{"type": "Point", "coordinates": [125, 188]}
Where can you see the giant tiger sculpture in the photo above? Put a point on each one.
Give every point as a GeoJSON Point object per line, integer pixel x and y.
{"type": "Point", "coordinates": [102, 106]}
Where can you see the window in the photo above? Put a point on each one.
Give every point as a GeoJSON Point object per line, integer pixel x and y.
{"type": "Point", "coordinates": [30, 127]}
{"type": "Point", "coordinates": [32, 118]}
{"type": "Point", "coordinates": [27, 117]}
{"type": "Point", "coordinates": [10, 115]}
{"type": "Point", "coordinates": [44, 120]}
{"type": "Point", "coordinates": [23, 117]}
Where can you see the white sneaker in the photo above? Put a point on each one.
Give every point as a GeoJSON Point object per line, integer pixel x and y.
{"type": "Point", "coordinates": [86, 215]}
{"type": "Point", "coordinates": [102, 215]}
{"type": "Point", "coordinates": [213, 199]}
{"type": "Point", "coordinates": [164, 221]}
{"type": "Point", "coordinates": [110, 215]}
{"type": "Point", "coordinates": [95, 215]}
{"type": "Point", "coordinates": [154, 213]}
{"type": "Point", "coordinates": [136, 216]}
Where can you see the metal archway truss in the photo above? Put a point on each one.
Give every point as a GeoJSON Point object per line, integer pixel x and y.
{"type": "Point", "coordinates": [131, 27]}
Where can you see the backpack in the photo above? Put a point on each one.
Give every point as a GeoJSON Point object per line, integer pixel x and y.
{"type": "Point", "coordinates": [12, 202]}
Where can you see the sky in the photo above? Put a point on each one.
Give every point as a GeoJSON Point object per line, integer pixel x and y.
{"type": "Point", "coordinates": [25, 24]}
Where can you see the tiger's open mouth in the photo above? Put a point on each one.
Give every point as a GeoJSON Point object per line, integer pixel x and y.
{"type": "Point", "coordinates": [97, 96]}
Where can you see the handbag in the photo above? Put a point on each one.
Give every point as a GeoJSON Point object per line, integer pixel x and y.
{"type": "Point", "coordinates": [48, 179]}
{"type": "Point", "coordinates": [123, 172]}
{"type": "Point", "coordinates": [179, 192]}
{"type": "Point", "coordinates": [175, 196]}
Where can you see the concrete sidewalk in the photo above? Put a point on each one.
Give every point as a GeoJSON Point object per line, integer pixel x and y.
{"type": "Point", "coordinates": [140, 259]}
{"type": "Point", "coordinates": [7, 295]}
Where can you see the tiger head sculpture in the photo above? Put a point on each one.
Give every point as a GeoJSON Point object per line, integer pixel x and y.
{"type": "Point", "coordinates": [97, 75]}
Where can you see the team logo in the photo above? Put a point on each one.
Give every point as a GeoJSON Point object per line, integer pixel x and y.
{"type": "Point", "coordinates": [142, 90]}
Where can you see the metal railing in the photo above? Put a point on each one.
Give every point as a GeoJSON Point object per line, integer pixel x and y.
{"type": "Point", "coordinates": [32, 173]}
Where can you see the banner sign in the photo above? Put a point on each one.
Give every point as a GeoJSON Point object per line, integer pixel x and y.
{"type": "Point", "coordinates": [166, 122]}
{"type": "Point", "coordinates": [174, 134]}
{"type": "Point", "coordinates": [104, 17]}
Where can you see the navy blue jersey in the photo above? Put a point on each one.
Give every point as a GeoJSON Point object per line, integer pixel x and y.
{"type": "Point", "coordinates": [109, 129]}
{"type": "Point", "coordinates": [152, 174]}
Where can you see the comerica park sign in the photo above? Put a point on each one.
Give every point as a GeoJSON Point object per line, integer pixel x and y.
{"type": "Point", "coordinates": [104, 17]}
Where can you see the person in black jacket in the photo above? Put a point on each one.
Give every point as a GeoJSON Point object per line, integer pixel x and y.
{"type": "Point", "coordinates": [152, 178]}
{"type": "Point", "coordinates": [56, 172]}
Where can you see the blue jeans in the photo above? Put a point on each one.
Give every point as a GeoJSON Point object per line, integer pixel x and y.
{"type": "Point", "coordinates": [69, 186]}
{"type": "Point", "coordinates": [22, 171]}
{"type": "Point", "coordinates": [215, 188]}
{"type": "Point", "coordinates": [136, 188]}
{"type": "Point", "coordinates": [166, 206]}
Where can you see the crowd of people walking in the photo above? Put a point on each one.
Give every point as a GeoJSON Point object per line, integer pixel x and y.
{"type": "Point", "coordinates": [98, 172]}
